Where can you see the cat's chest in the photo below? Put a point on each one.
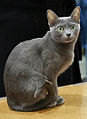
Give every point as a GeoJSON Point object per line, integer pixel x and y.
{"type": "Point", "coordinates": [66, 63]}
{"type": "Point", "coordinates": [50, 57]}
{"type": "Point", "coordinates": [55, 62]}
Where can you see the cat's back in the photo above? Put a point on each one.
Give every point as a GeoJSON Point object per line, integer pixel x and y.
{"type": "Point", "coordinates": [24, 49]}
{"type": "Point", "coordinates": [24, 56]}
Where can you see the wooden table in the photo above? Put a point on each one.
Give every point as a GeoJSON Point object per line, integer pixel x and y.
{"type": "Point", "coordinates": [75, 106]}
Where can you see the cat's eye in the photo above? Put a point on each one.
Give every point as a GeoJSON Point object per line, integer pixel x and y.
{"type": "Point", "coordinates": [73, 27]}
{"type": "Point", "coordinates": [60, 29]}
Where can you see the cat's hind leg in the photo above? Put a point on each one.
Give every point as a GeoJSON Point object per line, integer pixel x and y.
{"type": "Point", "coordinates": [33, 95]}
{"type": "Point", "coordinates": [43, 96]}
{"type": "Point", "coordinates": [47, 98]}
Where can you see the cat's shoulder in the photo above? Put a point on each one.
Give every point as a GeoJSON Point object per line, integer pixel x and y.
{"type": "Point", "coordinates": [28, 43]}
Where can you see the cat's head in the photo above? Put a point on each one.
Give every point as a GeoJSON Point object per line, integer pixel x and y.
{"type": "Point", "coordinates": [64, 29]}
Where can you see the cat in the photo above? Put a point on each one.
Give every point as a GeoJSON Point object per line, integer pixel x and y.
{"type": "Point", "coordinates": [33, 66]}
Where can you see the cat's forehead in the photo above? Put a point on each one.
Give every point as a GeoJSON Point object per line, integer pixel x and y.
{"type": "Point", "coordinates": [64, 19]}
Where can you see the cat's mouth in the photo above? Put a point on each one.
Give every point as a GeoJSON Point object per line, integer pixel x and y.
{"type": "Point", "coordinates": [68, 40]}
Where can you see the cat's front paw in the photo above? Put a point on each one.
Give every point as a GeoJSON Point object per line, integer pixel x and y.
{"type": "Point", "coordinates": [53, 104]}
{"type": "Point", "coordinates": [61, 100]}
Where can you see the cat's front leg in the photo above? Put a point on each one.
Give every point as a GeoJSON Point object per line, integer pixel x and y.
{"type": "Point", "coordinates": [58, 100]}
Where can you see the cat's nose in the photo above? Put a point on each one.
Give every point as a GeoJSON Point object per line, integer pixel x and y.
{"type": "Point", "coordinates": [68, 34]}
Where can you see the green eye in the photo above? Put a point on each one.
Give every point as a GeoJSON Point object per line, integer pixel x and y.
{"type": "Point", "coordinates": [73, 27]}
{"type": "Point", "coordinates": [60, 29]}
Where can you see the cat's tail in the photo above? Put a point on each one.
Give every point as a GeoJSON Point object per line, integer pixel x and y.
{"type": "Point", "coordinates": [44, 102]}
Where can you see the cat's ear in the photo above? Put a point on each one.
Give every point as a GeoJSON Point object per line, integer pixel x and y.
{"type": "Point", "coordinates": [52, 17]}
{"type": "Point", "coordinates": [76, 14]}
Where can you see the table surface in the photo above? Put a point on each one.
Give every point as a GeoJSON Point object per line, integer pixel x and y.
{"type": "Point", "coordinates": [75, 106]}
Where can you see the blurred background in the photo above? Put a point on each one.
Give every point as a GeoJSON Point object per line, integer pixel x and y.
{"type": "Point", "coordinates": [83, 37]}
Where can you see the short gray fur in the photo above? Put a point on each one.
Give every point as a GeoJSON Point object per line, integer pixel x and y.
{"type": "Point", "coordinates": [33, 66]}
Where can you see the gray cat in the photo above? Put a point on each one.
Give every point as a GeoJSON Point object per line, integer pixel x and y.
{"type": "Point", "coordinates": [32, 68]}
